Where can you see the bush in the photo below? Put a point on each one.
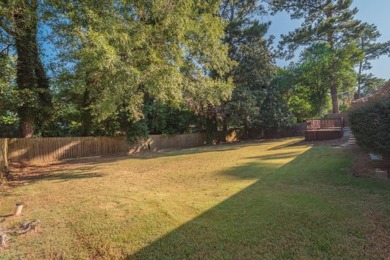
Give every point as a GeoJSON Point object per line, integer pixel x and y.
{"type": "Point", "coordinates": [370, 123]}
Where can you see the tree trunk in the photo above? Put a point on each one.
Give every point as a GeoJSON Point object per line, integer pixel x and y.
{"type": "Point", "coordinates": [86, 113]}
{"type": "Point", "coordinates": [27, 127]}
{"type": "Point", "coordinates": [26, 83]}
{"type": "Point", "coordinates": [359, 80]}
{"type": "Point", "coordinates": [246, 129]}
{"type": "Point", "coordinates": [335, 99]}
{"type": "Point", "coordinates": [360, 71]}
{"type": "Point", "coordinates": [43, 88]}
{"type": "Point", "coordinates": [225, 126]}
{"type": "Point", "coordinates": [359, 89]}
{"type": "Point", "coordinates": [31, 79]}
{"type": "Point", "coordinates": [4, 167]}
{"type": "Point", "coordinates": [333, 83]}
{"type": "Point", "coordinates": [211, 125]}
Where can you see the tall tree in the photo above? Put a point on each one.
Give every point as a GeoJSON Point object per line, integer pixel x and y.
{"type": "Point", "coordinates": [254, 69]}
{"type": "Point", "coordinates": [124, 52]}
{"type": "Point", "coordinates": [372, 50]}
{"type": "Point", "coordinates": [330, 21]}
{"type": "Point", "coordinates": [251, 77]}
{"type": "Point", "coordinates": [308, 79]}
{"type": "Point", "coordinates": [19, 21]}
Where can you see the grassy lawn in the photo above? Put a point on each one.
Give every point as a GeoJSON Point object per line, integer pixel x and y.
{"type": "Point", "coordinates": [268, 199]}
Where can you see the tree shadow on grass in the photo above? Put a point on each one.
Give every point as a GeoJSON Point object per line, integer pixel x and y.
{"type": "Point", "coordinates": [294, 143]}
{"type": "Point", "coordinates": [286, 145]}
{"type": "Point", "coordinates": [65, 176]}
{"type": "Point", "coordinates": [270, 220]}
{"type": "Point", "coordinates": [50, 174]}
{"type": "Point", "coordinates": [146, 155]}
{"type": "Point", "coordinates": [277, 156]}
{"type": "Point", "coordinates": [27, 173]}
{"type": "Point", "coordinates": [235, 228]}
{"type": "Point", "coordinates": [225, 147]}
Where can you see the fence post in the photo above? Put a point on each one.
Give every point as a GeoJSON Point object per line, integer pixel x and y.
{"type": "Point", "coordinates": [4, 158]}
{"type": "Point", "coordinates": [5, 154]}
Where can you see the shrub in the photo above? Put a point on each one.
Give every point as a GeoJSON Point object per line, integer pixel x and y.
{"type": "Point", "coordinates": [137, 131]}
{"type": "Point", "coordinates": [370, 123]}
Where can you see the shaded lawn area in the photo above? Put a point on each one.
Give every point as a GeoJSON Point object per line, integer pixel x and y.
{"type": "Point", "coordinates": [268, 199]}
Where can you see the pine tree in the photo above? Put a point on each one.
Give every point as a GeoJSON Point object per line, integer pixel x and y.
{"type": "Point", "coordinates": [372, 50]}
{"type": "Point", "coordinates": [329, 21]}
{"type": "Point", "coordinates": [245, 36]}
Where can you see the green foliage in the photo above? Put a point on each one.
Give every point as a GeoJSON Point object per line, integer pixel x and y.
{"type": "Point", "coordinates": [137, 131]}
{"type": "Point", "coordinates": [300, 105]}
{"type": "Point", "coordinates": [252, 78]}
{"type": "Point", "coordinates": [7, 78]}
{"type": "Point", "coordinates": [312, 79]}
{"type": "Point", "coordinates": [167, 67]}
{"type": "Point", "coordinates": [168, 120]}
{"type": "Point", "coordinates": [9, 122]}
{"type": "Point", "coordinates": [274, 112]}
{"type": "Point", "coordinates": [255, 64]}
{"type": "Point", "coordinates": [307, 81]}
{"type": "Point", "coordinates": [121, 62]}
{"type": "Point", "coordinates": [344, 108]}
{"type": "Point", "coordinates": [165, 50]}
{"type": "Point", "coordinates": [70, 119]}
{"type": "Point", "coordinates": [369, 85]}
{"type": "Point", "coordinates": [372, 50]}
{"type": "Point", "coordinates": [370, 124]}
{"type": "Point", "coordinates": [304, 85]}
{"type": "Point", "coordinates": [330, 21]}
{"type": "Point", "coordinates": [243, 108]}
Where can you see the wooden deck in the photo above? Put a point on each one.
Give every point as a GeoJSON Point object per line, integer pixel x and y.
{"type": "Point", "coordinates": [324, 129]}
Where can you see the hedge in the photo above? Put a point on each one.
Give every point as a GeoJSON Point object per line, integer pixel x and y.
{"type": "Point", "coordinates": [370, 124]}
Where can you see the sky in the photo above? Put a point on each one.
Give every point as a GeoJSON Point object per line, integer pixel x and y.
{"type": "Point", "coordinates": [370, 11]}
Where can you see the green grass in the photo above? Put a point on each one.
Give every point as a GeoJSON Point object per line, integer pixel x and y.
{"type": "Point", "coordinates": [255, 200]}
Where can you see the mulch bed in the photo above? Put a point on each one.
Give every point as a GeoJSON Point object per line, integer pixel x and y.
{"type": "Point", "coordinates": [363, 166]}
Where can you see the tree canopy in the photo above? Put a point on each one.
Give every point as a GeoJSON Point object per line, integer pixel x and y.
{"type": "Point", "coordinates": [371, 50]}
{"type": "Point", "coordinates": [131, 67]}
{"type": "Point", "coordinates": [324, 21]}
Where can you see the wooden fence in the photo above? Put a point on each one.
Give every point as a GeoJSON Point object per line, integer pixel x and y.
{"type": "Point", "coordinates": [52, 149]}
